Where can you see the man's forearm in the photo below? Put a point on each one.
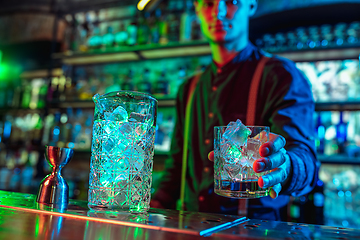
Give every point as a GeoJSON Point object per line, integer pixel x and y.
{"type": "Point", "coordinates": [303, 177]}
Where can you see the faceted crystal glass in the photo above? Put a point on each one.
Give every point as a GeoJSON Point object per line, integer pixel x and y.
{"type": "Point", "coordinates": [233, 162]}
{"type": "Point", "coordinates": [122, 151]}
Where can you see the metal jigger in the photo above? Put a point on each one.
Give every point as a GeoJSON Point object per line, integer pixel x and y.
{"type": "Point", "coordinates": [53, 188]}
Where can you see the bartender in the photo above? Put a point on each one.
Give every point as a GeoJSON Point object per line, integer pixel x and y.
{"type": "Point", "coordinates": [220, 95]}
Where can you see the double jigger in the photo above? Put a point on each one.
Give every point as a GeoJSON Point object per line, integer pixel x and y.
{"type": "Point", "coordinates": [54, 190]}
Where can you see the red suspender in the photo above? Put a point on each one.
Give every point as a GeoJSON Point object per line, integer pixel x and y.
{"type": "Point", "coordinates": [250, 114]}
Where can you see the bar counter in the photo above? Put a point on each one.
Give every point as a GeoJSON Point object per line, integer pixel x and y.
{"type": "Point", "coordinates": [21, 217]}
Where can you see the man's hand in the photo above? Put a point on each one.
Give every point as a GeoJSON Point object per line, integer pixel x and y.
{"type": "Point", "coordinates": [275, 159]}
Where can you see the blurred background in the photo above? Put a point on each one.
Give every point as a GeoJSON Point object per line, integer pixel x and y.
{"type": "Point", "coordinates": [56, 54]}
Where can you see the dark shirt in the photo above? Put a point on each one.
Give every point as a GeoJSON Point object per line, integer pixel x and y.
{"type": "Point", "coordinates": [284, 103]}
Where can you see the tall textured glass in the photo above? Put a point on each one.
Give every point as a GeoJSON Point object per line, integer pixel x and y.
{"type": "Point", "coordinates": [122, 151]}
{"type": "Point", "coordinates": [234, 175]}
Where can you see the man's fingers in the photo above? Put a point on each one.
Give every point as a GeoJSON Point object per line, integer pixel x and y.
{"type": "Point", "coordinates": [273, 161]}
{"type": "Point", "coordinates": [211, 156]}
{"type": "Point", "coordinates": [275, 190]}
{"type": "Point", "coordinates": [275, 177]}
{"type": "Point", "coordinates": [275, 143]}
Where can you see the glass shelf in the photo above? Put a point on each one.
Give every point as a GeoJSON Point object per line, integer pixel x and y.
{"type": "Point", "coordinates": [337, 106]}
{"type": "Point", "coordinates": [165, 102]}
{"type": "Point", "coordinates": [194, 48]}
{"type": "Point", "coordinates": [338, 159]}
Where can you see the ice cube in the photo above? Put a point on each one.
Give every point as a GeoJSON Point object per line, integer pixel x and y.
{"type": "Point", "coordinates": [237, 133]}
{"type": "Point", "coordinates": [139, 117]}
{"type": "Point", "coordinates": [136, 156]}
{"type": "Point", "coordinates": [262, 136]}
{"type": "Point", "coordinates": [126, 130]}
{"type": "Point", "coordinates": [230, 153]}
{"type": "Point", "coordinates": [251, 152]}
{"type": "Point", "coordinates": [119, 114]}
{"type": "Point", "coordinates": [232, 169]}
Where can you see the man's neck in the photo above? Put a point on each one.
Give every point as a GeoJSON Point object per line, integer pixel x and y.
{"type": "Point", "coordinates": [222, 53]}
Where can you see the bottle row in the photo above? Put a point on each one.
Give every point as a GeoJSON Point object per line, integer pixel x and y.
{"type": "Point", "coordinates": [110, 29]}
{"type": "Point", "coordinates": [324, 36]}
{"type": "Point", "coordinates": [70, 128]}
{"type": "Point", "coordinates": [22, 170]}
{"type": "Point", "coordinates": [338, 133]}
{"type": "Point", "coordinates": [160, 78]}
{"type": "Point", "coordinates": [342, 195]}
{"type": "Point", "coordinates": [331, 81]}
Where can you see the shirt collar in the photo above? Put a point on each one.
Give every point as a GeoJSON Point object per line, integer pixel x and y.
{"type": "Point", "coordinates": [242, 56]}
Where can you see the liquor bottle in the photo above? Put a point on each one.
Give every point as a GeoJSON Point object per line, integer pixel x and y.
{"type": "Point", "coordinates": [127, 81]}
{"type": "Point", "coordinates": [78, 20]}
{"type": "Point", "coordinates": [163, 26]}
{"type": "Point", "coordinates": [341, 134]}
{"type": "Point", "coordinates": [121, 36]}
{"type": "Point", "coordinates": [162, 86]}
{"type": "Point", "coordinates": [297, 209]}
{"type": "Point", "coordinates": [2, 94]}
{"type": "Point", "coordinates": [327, 36]}
{"type": "Point", "coordinates": [35, 89]}
{"type": "Point", "coordinates": [173, 28]}
{"type": "Point", "coordinates": [26, 95]}
{"type": "Point", "coordinates": [9, 94]}
{"type": "Point", "coordinates": [320, 138]}
{"type": "Point", "coordinates": [68, 34]}
{"type": "Point", "coordinates": [42, 95]}
{"type": "Point", "coordinates": [269, 42]}
{"type": "Point", "coordinates": [69, 128]}
{"type": "Point", "coordinates": [108, 39]}
{"type": "Point", "coordinates": [63, 136]}
{"type": "Point", "coordinates": [353, 33]}
{"type": "Point", "coordinates": [174, 85]}
{"type": "Point", "coordinates": [318, 202]}
{"type": "Point", "coordinates": [154, 28]}
{"type": "Point", "coordinates": [144, 85]}
{"type": "Point", "coordinates": [48, 123]}
{"type": "Point", "coordinates": [196, 33]}
{"type": "Point", "coordinates": [339, 32]}
{"type": "Point", "coordinates": [291, 40]}
{"type": "Point", "coordinates": [314, 37]}
{"type": "Point", "coordinates": [16, 100]}
{"type": "Point", "coordinates": [185, 24]}
{"type": "Point", "coordinates": [61, 88]}
{"type": "Point", "coordinates": [83, 29]}
{"type": "Point", "coordinates": [280, 42]}
{"type": "Point", "coordinates": [77, 128]}
{"type": "Point", "coordinates": [83, 138]}
{"type": "Point", "coordinates": [132, 30]}
{"type": "Point", "coordinates": [55, 130]}
{"type": "Point", "coordinates": [143, 33]}
{"type": "Point", "coordinates": [159, 136]}
{"type": "Point", "coordinates": [53, 92]}
{"type": "Point", "coordinates": [70, 90]}
{"type": "Point", "coordinates": [95, 41]}
{"type": "Point", "coordinates": [111, 84]}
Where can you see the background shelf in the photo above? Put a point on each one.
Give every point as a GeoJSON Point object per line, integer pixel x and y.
{"type": "Point", "coordinates": [199, 48]}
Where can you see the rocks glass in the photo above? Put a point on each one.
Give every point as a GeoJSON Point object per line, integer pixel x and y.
{"type": "Point", "coordinates": [234, 155]}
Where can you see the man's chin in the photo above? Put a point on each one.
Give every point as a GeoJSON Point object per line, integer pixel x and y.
{"type": "Point", "coordinates": [220, 41]}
